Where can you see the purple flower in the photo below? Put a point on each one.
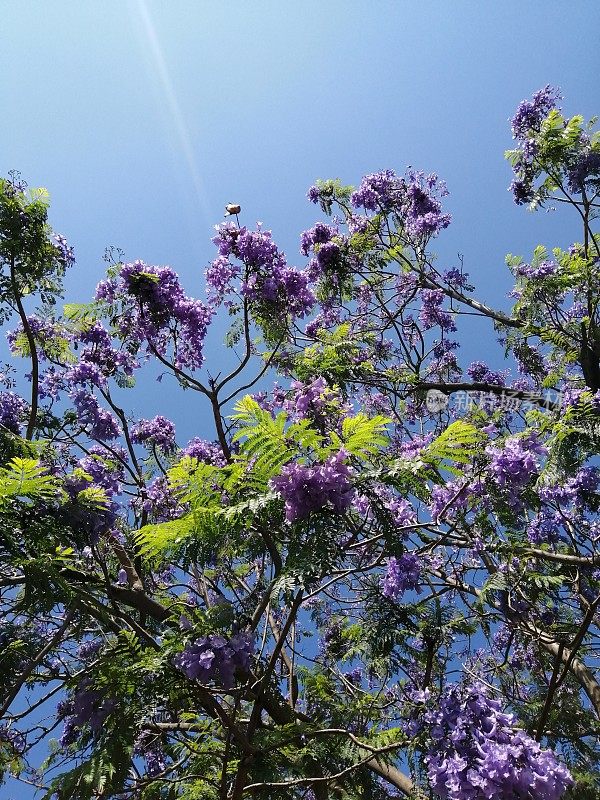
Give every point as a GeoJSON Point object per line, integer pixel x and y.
{"type": "Point", "coordinates": [101, 424]}
{"type": "Point", "coordinates": [314, 194]}
{"type": "Point", "coordinates": [402, 575]}
{"type": "Point", "coordinates": [585, 169]}
{"type": "Point", "coordinates": [268, 278]}
{"type": "Point", "coordinates": [545, 527]}
{"type": "Point", "coordinates": [310, 399]}
{"type": "Point", "coordinates": [531, 113]}
{"type": "Point", "coordinates": [85, 373]}
{"type": "Point", "coordinates": [515, 464]}
{"type": "Point", "coordinates": [477, 751]}
{"type": "Point", "coordinates": [89, 649]}
{"type": "Point", "coordinates": [100, 358]}
{"type": "Point", "coordinates": [65, 252]}
{"type": "Point", "coordinates": [414, 199]}
{"type": "Point", "coordinates": [431, 314]}
{"type": "Point", "coordinates": [219, 276]}
{"type": "Point", "coordinates": [526, 126]}
{"type": "Point", "coordinates": [214, 658]}
{"type": "Point", "coordinates": [158, 432]}
{"type": "Point", "coordinates": [307, 489]}
{"type": "Point", "coordinates": [522, 190]}
{"type": "Point", "coordinates": [88, 706]}
{"type": "Point", "coordinates": [456, 278]}
{"type": "Point", "coordinates": [380, 190]}
{"type": "Point", "coordinates": [207, 452]}
{"type": "Point", "coordinates": [156, 310]}
{"type": "Point", "coordinates": [319, 234]}
{"type": "Point", "coordinates": [159, 501]}
{"type": "Point", "coordinates": [45, 332]}
{"type": "Point", "coordinates": [542, 270]}
{"type": "Point", "coordinates": [14, 738]}
{"type": "Point", "coordinates": [13, 411]}
{"type": "Point", "coordinates": [479, 372]}
{"type": "Point", "coordinates": [104, 468]}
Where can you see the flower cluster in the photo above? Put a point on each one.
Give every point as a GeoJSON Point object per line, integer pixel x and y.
{"type": "Point", "coordinates": [158, 312]}
{"type": "Point", "coordinates": [157, 432]}
{"type": "Point", "coordinates": [525, 127]}
{"type": "Point", "coordinates": [380, 190]}
{"type": "Point", "coordinates": [149, 747]}
{"type": "Point", "coordinates": [44, 331]}
{"type": "Point", "coordinates": [207, 452]}
{"type": "Point", "coordinates": [100, 423]}
{"type": "Point", "coordinates": [479, 372]}
{"type": "Point", "coordinates": [159, 501]}
{"type": "Point", "coordinates": [65, 251]}
{"type": "Point", "coordinates": [478, 751]}
{"type": "Point", "coordinates": [399, 510]}
{"type": "Point", "coordinates": [562, 506]}
{"type": "Point", "coordinates": [328, 317]}
{"type": "Point", "coordinates": [431, 314]}
{"type": "Point", "coordinates": [319, 234]}
{"type": "Point", "coordinates": [105, 470]}
{"type": "Point", "coordinates": [98, 351]}
{"type": "Point", "coordinates": [414, 199]}
{"type": "Point", "coordinates": [13, 410]}
{"type": "Point", "coordinates": [88, 706]}
{"type": "Point", "coordinates": [531, 113]}
{"type": "Point", "coordinates": [514, 464]}
{"type": "Point", "coordinates": [267, 278]}
{"type": "Point", "coordinates": [450, 499]}
{"type": "Point", "coordinates": [214, 658]}
{"type": "Point", "coordinates": [89, 649]}
{"type": "Point", "coordinates": [219, 276]}
{"type": "Point", "coordinates": [584, 171]}
{"type": "Point", "coordinates": [444, 359]}
{"type": "Point", "coordinates": [306, 489]}
{"type": "Point", "coordinates": [14, 738]}
{"type": "Point", "coordinates": [98, 359]}
{"type": "Point", "coordinates": [542, 270]}
{"type": "Point", "coordinates": [402, 575]}
{"type": "Point", "coordinates": [310, 399]}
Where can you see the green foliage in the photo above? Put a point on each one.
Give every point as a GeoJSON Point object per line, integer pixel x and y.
{"type": "Point", "coordinates": [330, 357]}
{"type": "Point", "coordinates": [460, 442]}
{"type": "Point", "coordinates": [331, 191]}
{"type": "Point", "coordinates": [35, 264]}
{"type": "Point", "coordinates": [267, 442]}
{"type": "Point", "coordinates": [362, 436]}
{"type": "Point", "coordinates": [156, 541]}
{"type": "Point", "coordinates": [26, 478]}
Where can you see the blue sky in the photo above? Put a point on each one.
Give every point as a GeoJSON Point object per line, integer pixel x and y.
{"type": "Point", "coordinates": [145, 118]}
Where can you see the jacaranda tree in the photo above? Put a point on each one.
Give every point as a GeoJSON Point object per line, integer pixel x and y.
{"type": "Point", "coordinates": [379, 576]}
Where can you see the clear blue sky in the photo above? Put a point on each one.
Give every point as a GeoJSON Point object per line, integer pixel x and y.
{"type": "Point", "coordinates": [145, 118]}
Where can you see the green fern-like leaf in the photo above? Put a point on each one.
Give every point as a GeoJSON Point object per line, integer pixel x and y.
{"type": "Point", "coordinates": [154, 541]}
{"type": "Point", "coordinates": [263, 439]}
{"type": "Point", "coordinates": [93, 496]}
{"type": "Point", "coordinates": [81, 315]}
{"type": "Point", "coordinates": [459, 442]}
{"type": "Point", "coordinates": [363, 436]}
{"type": "Point", "coordinates": [26, 478]}
{"type": "Point", "coordinates": [496, 582]}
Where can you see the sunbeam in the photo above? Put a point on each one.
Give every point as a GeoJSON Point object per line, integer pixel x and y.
{"type": "Point", "coordinates": [176, 117]}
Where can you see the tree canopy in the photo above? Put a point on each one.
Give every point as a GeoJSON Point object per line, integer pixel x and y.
{"type": "Point", "coordinates": [377, 577]}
